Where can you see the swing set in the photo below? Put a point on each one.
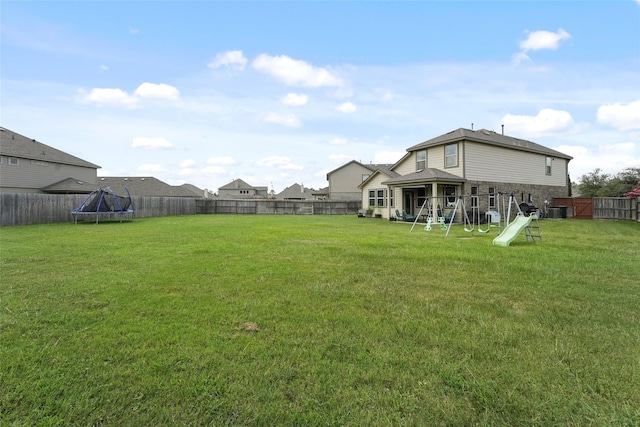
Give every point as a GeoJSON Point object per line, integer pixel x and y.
{"type": "Point", "coordinates": [494, 219]}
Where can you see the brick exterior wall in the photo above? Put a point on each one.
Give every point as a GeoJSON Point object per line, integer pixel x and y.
{"type": "Point", "coordinates": [536, 193]}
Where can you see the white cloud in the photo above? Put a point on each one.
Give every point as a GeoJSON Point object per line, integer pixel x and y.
{"type": "Point", "coordinates": [151, 168]}
{"type": "Point", "coordinates": [538, 40]}
{"type": "Point", "coordinates": [340, 158]}
{"type": "Point", "coordinates": [386, 94]}
{"type": "Point", "coordinates": [294, 99]}
{"type": "Point", "coordinates": [232, 58]}
{"type": "Point", "coordinates": [610, 158]}
{"type": "Point", "coordinates": [150, 143]}
{"type": "Point", "coordinates": [134, 31]}
{"type": "Point", "coordinates": [295, 72]}
{"type": "Point", "coordinates": [545, 122]}
{"type": "Point", "coordinates": [118, 97]}
{"type": "Point", "coordinates": [160, 91]}
{"type": "Point", "coordinates": [288, 120]}
{"type": "Point", "coordinates": [347, 107]}
{"type": "Point", "coordinates": [544, 40]}
{"type": "Point", "coordinates": [388, 156]}
{"type": "Point", "coordinates": [187, 163]}
{"type": "Point", "coordinates": [103, 67]}
{"type": "Point", "coordinates": [338, 141]}
{"type": "Point", "coordinates": [214, 170]}
{"type": "Point", "coordinates": [278, 162]}
{"type": "Point", "coordinates": [620, 116]}
{"type": "Point", "coordinates": [109, 96]}
{"type": "Point", "coordinates": [227, 160]}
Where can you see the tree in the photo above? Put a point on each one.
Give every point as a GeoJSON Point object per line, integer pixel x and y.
{"type": "Point", "coordinates": [599, 184]}
{"type": "Point", "coordinates": [592, 183]}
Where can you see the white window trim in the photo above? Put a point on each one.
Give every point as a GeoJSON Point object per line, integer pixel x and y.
{"type": "Point", "coordinates": [418, 161]}
{"type": "Point", "coordinates": [450, 156]}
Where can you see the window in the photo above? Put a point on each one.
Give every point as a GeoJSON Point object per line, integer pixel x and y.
{"type": "Point", "coordinates": [450, 194]}
{"type": "Point", "coordinates": [492, 198]}
{"type": "Point", "coordinates": [421, 160]}
{"type": "Point", "coordinates": [422, 196]}
{"type": "Point", "coordinates": [377, 198]}
{"type": "Point", "coordinates": [391, 197]}
{"type": "Point", "coordinates": [548, 165]}
{"type": "Point", "coordinates": [474, 197]}
{"type": "Point", "coordinates": [13, 161]}
{"type": "Point", "coordinates": [451, 155]}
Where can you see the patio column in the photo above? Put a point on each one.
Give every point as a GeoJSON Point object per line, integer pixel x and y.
{"type": "Point", "coordinates": [434, 200]}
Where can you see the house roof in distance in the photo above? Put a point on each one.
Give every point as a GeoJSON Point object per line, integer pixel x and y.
{"type": "Point", "coordinates": [70, 186]}
{"type": "Point", "coordinates": [238, 184]}
{"type": "Point", "coordinates": [148, 186]}
{"type": "Point", "coordinates": [13, 144]}
{"type": "Point", "coordinates": [489, 137]}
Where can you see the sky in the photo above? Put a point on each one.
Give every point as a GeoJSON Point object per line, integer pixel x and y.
{"type": "Point", "coordinates": [277, 93]}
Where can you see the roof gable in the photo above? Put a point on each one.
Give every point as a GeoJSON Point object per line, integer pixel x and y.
{"type": "Point", "coordinates": [236, 184]}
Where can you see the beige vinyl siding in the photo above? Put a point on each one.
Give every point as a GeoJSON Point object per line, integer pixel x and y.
{"type": "Point", "coordinates": [348, 178]}
{"type": "Point", "coordinates": [31, 176]}
{"type": "Point", "coordinates": [376, 184]}
{"type": "Point", "coordinates": [496, 164]}
{"type": "Point", "coordinates": [437, 154]}
{"type": "Point", "coordinates": [408, 165]}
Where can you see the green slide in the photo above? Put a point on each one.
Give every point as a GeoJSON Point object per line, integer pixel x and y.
{"type": "Point", "coordinates": [513, 230]}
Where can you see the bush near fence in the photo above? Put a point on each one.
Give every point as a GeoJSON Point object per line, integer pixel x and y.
{"type": "Point", "coordinates": [34, 208]}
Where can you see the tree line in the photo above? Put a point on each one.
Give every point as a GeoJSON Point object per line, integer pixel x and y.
{"type": "Point", "coordinates": [600, 184]}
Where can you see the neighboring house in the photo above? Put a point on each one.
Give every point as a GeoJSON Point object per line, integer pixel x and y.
{"type": "Point", "coordinates": [29, 166]}
{"type": "Point", "coordinates": [321, 194]}
{"type": "Point", "coordinates": [296, 192]}
{"type": "Point", "coordinates": [150, 187]}
{"type": "Point", "coordinates": [344, 181]}
{"type": "Point", "coordinates": [468, 163]}
{"type": "Point", "coordinates": [238, 189]}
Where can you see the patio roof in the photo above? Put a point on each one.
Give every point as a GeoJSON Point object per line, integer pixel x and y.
{"type": "Point", "coordinates": [428, 175]}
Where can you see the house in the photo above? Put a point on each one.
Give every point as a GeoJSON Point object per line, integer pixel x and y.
{"type": "Point", "coordinates": [296, 192]}
{"type": "Point", "coordinates": [238, 189]}
{"type": "Point", "coordinates": [475, 164]}
{"type": "Point", "coordinates": [344, 181]}
{"type": "Point", "coordinates": [150, 187]}
{"type": "Point", "coordinates": [29, 166]}
{"type": "Point", "coordinates": [321, 194]}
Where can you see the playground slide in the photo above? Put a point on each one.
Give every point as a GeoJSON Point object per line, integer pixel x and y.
{"type": "Point", "coordinates": [512, 231]}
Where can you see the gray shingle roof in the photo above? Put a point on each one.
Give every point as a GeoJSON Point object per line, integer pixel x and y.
{"type": "Point", "coordinates": [70, 186]}
{"type": "Point", "coordinates": [237, 184]}
{"type": "Point", "coordinates": [147, 186]}
{"type": "Point", "coordinates": [489, 137]}
{"type": "Point", "coordinates": [15, 145]}
{"type": "Point", "coordinates": [429, 174]}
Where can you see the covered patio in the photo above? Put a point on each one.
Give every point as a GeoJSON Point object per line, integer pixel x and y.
{"type": "Point", "coordinates": [412, 190]}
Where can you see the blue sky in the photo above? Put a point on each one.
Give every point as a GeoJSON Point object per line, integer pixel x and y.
{"type": "Point", "coordinates": [277, 93]}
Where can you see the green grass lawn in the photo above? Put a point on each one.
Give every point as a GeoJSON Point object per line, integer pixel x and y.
{"type": "Point", "coordinates": [318, 320]}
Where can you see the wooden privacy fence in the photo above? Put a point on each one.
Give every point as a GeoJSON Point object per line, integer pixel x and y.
{"type": "Point", "coordinates": [624, 208]}
{"type": "Point", "coordinates": [277, 207]}
{"type": "Point", "coordinates": [34, 208]}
